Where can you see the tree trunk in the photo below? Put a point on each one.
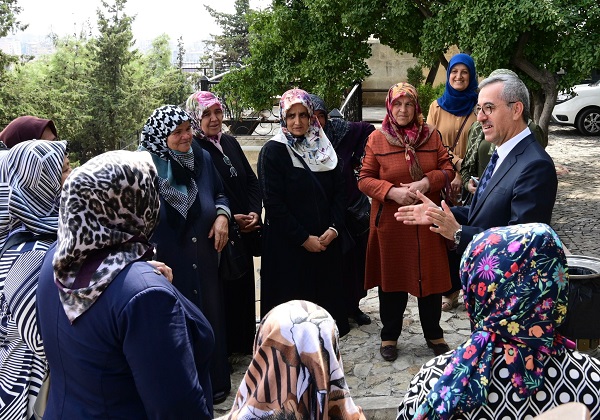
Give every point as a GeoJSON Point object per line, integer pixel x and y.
{"type": "Point", "coordinates": [545, 98]}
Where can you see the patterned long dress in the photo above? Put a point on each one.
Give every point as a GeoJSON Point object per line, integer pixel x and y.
{"type": "Point", "coordinates": [22, 361]}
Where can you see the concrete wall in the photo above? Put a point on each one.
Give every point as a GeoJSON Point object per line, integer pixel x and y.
{"type": "Point", "coordinates": [388, 68]}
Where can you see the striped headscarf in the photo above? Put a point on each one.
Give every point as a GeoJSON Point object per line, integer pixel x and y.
{"type": "Point", "coordinates": [297, 369]}
{"type": "Point", "coordinates": [313, 147]}
{"type": "Point", "coordinates": [516, 286]}
{"type": "Point", "coordinates": [410, 136]}
{"type": "Point", "coordinates": [33, 170]}
{"type": "Point", "coordinates": [108, 209]}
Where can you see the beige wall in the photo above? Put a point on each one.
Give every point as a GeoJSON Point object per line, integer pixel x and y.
{"type": "Point", "coordinates": [389, 67]}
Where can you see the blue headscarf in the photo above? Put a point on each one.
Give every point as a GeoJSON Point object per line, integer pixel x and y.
{"type": "Point", "coordinates": [456, 102]}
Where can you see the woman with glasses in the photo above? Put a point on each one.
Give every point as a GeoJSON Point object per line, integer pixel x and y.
{"type": "Point", "coordinates": [193, 227]}
{"type": "Point", "coordinates": [241, 188]}
{"type": "Point", "coordinates": [452, 115]}
{"type": "Point", "coordinates": [303, 192]}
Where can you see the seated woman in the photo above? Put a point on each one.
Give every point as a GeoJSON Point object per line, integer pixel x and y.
{"type": "Point", "coordinates": [120, 340]}
{"type": "Point", "coordinates": [515, 364]}
{"type": "Point", "coordinates": [297, 371]}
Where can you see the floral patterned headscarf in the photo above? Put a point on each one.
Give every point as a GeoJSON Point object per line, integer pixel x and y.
{"type": "Point", "coordinates": [410, 136]}
{"type": "Point", "coordinates": [297, 368]}
{"type": "Point", "coordinates": [516, 286]}
{"type": "Point", "coordinates": [314, 147]}
{"type": "Point", "coordinates": [196, 104]}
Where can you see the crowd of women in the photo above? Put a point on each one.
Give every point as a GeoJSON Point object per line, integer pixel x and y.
{"type": "Point", "coordinates": [111, 291]}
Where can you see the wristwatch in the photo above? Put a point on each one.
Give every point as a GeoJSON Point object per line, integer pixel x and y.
{"type": "Point", "coordinates": [457, 235]}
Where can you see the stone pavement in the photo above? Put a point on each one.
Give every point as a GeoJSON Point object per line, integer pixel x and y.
{"type": "Point", "coordinates": [378, 386]}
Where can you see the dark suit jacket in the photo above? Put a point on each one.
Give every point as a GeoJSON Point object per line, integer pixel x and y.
{"type": "Point", "coordinates": [522, 190]}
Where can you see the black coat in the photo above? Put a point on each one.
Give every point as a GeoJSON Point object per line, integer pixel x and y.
{"type": "Point", "coordinates": [241, 188]}
{"type": "Point", "coordinates": [296, 207]}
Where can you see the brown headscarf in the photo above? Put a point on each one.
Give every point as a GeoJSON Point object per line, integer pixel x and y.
{"type": "Point", "coordinates": [410, 136]}
{"type": "Point", "coordinates": [25, 128]}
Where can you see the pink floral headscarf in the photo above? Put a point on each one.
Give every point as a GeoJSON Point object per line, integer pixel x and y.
{"type": "Point", "coordinates": [196, 104]}
{"type": "Point", "coordinates": [314, 147]}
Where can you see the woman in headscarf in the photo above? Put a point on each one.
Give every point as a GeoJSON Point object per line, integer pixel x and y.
{"type": "Point", "coordinates": [349, 139]}
{"type": "Point", "coordinates": [303, 193]}
{"type": "Point", "coordinates": [28, 128]}
{"type": "Point", "coordinates": [121, 341]}
{"type": "Point", "coordinates": [515, 364]}
{"type": "Point", "coordinates": [193, 228]}
{"type": "Point", "coordinates": [452, 114]}
{"type": "Point", "coordinates": [241, 188]}
{"type": "Point", "coordinates": [297, 370]}
{"type": "Point", "coordinates": [33, 172]}
{"type": "Point", "coordinates": [406, 155]}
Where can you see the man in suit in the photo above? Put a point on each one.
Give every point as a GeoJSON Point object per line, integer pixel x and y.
{"type": "Point", "coordinates": [518, 186]}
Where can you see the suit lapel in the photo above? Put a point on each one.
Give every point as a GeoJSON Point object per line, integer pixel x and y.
{"type": "Point", "coordinates": [500, 173]}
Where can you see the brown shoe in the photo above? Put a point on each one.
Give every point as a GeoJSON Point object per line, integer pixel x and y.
{"type": "Point", "coordinates": [389, 353]}
{"type": "Point", "coordinates": [439, 348]}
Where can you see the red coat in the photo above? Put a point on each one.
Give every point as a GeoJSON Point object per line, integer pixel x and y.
{"type": "Point", "coordinates": [402, 258]}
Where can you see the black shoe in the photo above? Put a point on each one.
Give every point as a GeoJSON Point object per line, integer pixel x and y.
{"type": "Point", "coordinates": [439, 348]}
{"type": "Point", "coordinates": [389, 353]}
{"type": "Point", "coordinates": [219, 397]}
{"type": "Point", "coordinates": [361, 318]}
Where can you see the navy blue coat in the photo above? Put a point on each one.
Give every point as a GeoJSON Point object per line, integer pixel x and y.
{"type": "Point", "coordinates": [183, 245]}
{"type": "Point", "coordinates": [522, 190]}
{"type": "Point", "coordinates": [141, 351]}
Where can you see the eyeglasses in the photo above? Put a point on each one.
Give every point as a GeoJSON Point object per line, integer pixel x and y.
{"type": "Point", "coordinates": [232, 170]}
{"type": "Point", "coordinates": [488, 108]}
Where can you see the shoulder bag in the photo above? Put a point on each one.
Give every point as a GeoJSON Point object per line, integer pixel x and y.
{"type": "Point", "coordinates": [234, 261]}
{"type": "Point", "coordinates": [358, 215]}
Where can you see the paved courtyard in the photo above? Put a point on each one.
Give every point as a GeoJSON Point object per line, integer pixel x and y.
{"type": "Point", "coordinates": [378, 386]}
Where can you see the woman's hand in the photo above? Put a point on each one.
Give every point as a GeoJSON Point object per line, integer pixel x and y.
{"type": "Point", "coordinates": [421, 185]}
{"type": "Point", "coordinates": [472, 187]}
{"type": "Point", "coordinates": [164, 269]}
{"type": "Point", "coordinates": [402, 195]}
{"type": "Point", "coordinates": [313, 244]}
{"type": "Point", "coordinates": [328, 236]}
{"type": "Point", "coordinates": [220, 231]}
{"type": "Point", "coordinates": [456, 187]}
{"type": "Point", "coordinates": [247, 222]}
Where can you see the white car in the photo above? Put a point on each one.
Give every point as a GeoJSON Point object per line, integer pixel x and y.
{"type": "Point", "coordinates": [580, 108]}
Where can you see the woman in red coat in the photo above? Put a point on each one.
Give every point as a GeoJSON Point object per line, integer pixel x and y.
{"type": "Point", "coordinates": [404, 156]}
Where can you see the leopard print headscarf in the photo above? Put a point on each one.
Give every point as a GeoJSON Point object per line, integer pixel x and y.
{"type": "Point", "coordinates": [108, 208]}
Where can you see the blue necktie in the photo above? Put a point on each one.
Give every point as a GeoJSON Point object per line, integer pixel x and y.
{"type": "Point", "coordinates": [487, 175]}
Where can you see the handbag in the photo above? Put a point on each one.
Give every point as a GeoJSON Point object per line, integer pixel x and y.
{"type": "Point", "coordinates": [253, 241]}
{"type": "Point", "coordinates": [358, 216]}
{"type": "Point", "coordinates": [234, 262]}
{"type": "Point", "coordinates": [39, 406]}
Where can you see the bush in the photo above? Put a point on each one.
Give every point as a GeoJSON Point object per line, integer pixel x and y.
{"type": "Point", "coordinates": [427, 94]}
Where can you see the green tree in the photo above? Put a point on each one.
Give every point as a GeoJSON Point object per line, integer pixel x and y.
{"type": "Point", "coordinates": [112, 105]}
{"type": "Point", "coordinates": [295, 43]}
{"type": "Point", "coordinates": [233, 42]}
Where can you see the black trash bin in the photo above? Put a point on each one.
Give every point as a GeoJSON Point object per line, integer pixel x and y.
{"type": "Point", "coordinates": [582, 323]}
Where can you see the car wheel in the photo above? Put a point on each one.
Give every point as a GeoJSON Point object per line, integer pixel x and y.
{"type": "Point", "coordinates": [588, 122]}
